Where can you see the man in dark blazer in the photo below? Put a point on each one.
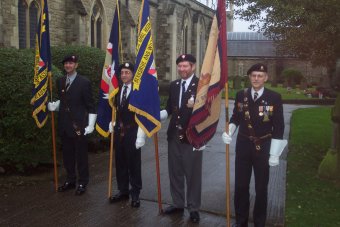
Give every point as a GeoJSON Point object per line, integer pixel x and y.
{"type": "Point", "coordinates": [258, 113]}
{"type": "Point", "coordinates": [76, 119]}
{"type": "Point", "coordinates": [129, 138]}
{"type": "Point", "coordinates": [184, 162]}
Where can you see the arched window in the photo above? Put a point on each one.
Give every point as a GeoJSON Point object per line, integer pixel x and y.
{"type": "Point", "coordinates": [185, 39]}
{"type": "Point", "coordinates": [201, 40]}
{"type": "Point", "coordinates": [33, 15]}
{"type": "Point", "coordinates": [22, 7]}
{"type": "Point", "coordinates": [96, 25]}
{"type": "Point", "coordinates": [27, 23]}
{"type": "Point", "coordinates": [186, 33]}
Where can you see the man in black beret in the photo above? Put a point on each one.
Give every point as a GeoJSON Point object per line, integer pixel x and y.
{"type": "Point", "coordinates": [70, 58]}
{"type": "Point", "coordinates": [129, 138]}
{"type": "Point", "coordinates": [185, 163]}
{"type": "Point", "coordinates": [258, 113]}
{"type": "Point", "coordinates": [76, 119]}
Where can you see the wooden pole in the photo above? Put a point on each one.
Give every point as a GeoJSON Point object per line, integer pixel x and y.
{"type": "Point", "coordinates": [113, 118]}
{"type": "Point", "coordinates": [160, 209]}
{"type": "Point", "coordinates": [227, 155]}
{"type": "Point", "coordinates": [55, 166]}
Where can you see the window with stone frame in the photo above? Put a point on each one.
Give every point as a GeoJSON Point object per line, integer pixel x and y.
{"type": "Point", "coordinates": [97, 25]}
{"type": "Point", "coordinates": [27, 23]}
{"type": "Point", "coordinates": [186, 31]}
{"type": "Point", "coordinates": [185, 39]}
{"type": "Point", "coordinates": [201, 41]}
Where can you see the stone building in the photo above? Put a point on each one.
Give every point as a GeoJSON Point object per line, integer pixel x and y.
{"type": "Point", "coordinates": [248, 48]}
{"type": "Point", "coordinates": [178, 26]}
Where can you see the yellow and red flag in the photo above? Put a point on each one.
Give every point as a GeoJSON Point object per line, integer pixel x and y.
{"type": "Point", "coordinates": [207, 107]}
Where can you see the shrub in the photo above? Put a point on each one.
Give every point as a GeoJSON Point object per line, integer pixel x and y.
{"type": "Point", "coordinates": [292, 77]}
{"type": "Point", "coordinates": [22, 143]}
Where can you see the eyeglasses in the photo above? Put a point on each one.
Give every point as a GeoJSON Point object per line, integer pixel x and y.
{"type": "Point", "coordinates": [259, 76]}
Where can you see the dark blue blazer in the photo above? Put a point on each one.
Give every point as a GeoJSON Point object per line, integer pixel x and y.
{"type": "Point", "coordinates": [180, 115]}
{"type": "Point", "coordinates": [269, 121]}
{"type": "Point", "coordinates": [78, 99]}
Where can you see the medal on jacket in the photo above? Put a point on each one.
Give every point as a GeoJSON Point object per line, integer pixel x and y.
{"type": "Point", "coordinates": [191, 102]}
{"type": "Point", "coordinates": [260, 111]}
{"type": "Point", "coordinates": [265, 112]}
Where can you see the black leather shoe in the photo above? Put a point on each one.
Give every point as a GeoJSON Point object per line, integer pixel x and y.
{"type": "Point", "coordinates": [81, 189]}
{"type": "Point", "coordinates": [173, 210]}
{"type": "Point", "coordinates": [194, 217]}
{"type": "Point", "coordinates": [135, 203]}
{"type": "Point", "coordinates": [66, 186]}
{"type": "Point", "coordinates": [119, 197]}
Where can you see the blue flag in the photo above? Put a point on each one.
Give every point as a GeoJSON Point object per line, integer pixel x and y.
{"type": "Point", "coordinates": [144, 98]}
{"type": "Point", "coordinates": [42, 68]}
{"type": "Point", "coordinates": [109, 84]}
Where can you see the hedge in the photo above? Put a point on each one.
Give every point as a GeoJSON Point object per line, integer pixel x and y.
{"type": "Point", "coordinates": [22, 143]}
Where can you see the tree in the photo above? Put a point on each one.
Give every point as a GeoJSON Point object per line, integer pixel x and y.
{"type": "Point", "coordinates": [306, 29]}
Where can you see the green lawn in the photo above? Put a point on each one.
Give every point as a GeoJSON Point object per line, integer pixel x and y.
{"type": "Point", "coordinates": [310, 201]}
{"type": "Point", "coordinates": [293, 94]}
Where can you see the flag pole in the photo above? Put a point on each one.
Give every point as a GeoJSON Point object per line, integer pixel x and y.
{"type": "Point", "coordinates": [227, 155]}
{"type": "Point", "coordinates": [111, 154]}
{"type": "Point", "coordinates": [53, 139]}
{"type": "Point", "coordinates": [160, 209]}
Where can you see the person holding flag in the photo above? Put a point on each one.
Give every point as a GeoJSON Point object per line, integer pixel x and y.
{"type": "Point", "coordinates": [144, 99]}
{"type": "Point", "coordinates": [258, 112]}
{"type": "Point", "coordinates": [129, 138]}
{"type": "Point", "coordinates": [76, 119]}
{"type": "Point", "coordinates": [184, 161]}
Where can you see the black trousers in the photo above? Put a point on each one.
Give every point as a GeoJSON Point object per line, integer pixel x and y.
{"type": "Point", "coordinates": [75, 154]}
{"type": "Point", "coordinates": [248, 159]}
{"type": "Point", "coordinates": [128, 166]}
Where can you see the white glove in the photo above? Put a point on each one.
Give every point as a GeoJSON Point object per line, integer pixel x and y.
{"type": "Point", "coordinates": [140, 141]}
{"type": "Point", "coordinates": [199, 149]}
{"type": "Point", "coordinates": [53, 106]}
{"type": "Point", "coordinates": [276, 148]}
{"type": "Point", "coordinates": [164, 115]}
{"type": "Point", "coordinates": [227, 138]}
{"type": "Point", "coordinates": [92, 120]}
{"type": "Point", "coordinates": [111, 126]}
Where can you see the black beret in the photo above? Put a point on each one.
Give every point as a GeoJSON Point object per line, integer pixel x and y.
{"type": "Point", "coordinates": [70, 58]}
{"type": "Point", "coordinates": [259, 67]}
{"type": "Point", "coordinates": [186, 57]}
{"type": "Point", "coordinates": [127, 65]}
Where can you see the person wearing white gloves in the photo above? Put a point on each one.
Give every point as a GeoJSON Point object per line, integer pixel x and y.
{"type": "Point", "coordinates": [184, 162]}
{"type": "Point", "coordinates": [129, 138]}
{"type": "Point", "coordinates": [258, 113]}
{"type": "Point", "coordinates": [76, 119]}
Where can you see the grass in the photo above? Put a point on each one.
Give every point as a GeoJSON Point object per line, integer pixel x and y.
{"type": "Point", "coordinates": [310, 201]}
{"type": "Point", "coordinates": [293, 94]}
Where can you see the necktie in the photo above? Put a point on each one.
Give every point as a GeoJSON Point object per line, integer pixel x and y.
{"type": "Point", "coordinates": [183, 91]}
{"type": "Point", "coordinates": [122, 103]}
{"type": "Point", "coordinates": [68, 82]}
{"type": "Point", "coordinates": [255, 95]}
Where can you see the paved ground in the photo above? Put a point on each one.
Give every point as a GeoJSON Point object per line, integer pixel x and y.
{"type": "Point", "coordinates": [36, 204]}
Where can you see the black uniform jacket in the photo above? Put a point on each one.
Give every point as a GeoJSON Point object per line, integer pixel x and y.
{"type": "Point", "coordinates": [180, 116]}
{"type": "Point", "coordinates": [125, 119]}
{"type": "Point", "coordinates": [266, 114]}
{"type": "Point", "coordinates": [75, 105]}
